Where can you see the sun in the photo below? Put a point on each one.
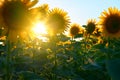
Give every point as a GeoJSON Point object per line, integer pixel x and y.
{"type": "Point", "coordinates": [39, 28]}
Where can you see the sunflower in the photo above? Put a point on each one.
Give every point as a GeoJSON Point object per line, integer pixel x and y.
{"type": "Point", "coordinates": [57, 21]}
{"type": "Point", "coordinates": [15, 17]}
{"type": "Point", "coordinates": [41, 11]}
{"type": "Point", "coordinates": [97, 31]}
{"type": "Point", "coordinates": [91, 26]}
{"type": "Point", "coordinates": [75, 29]}
{"type": "Point", "coordinates": [110, 22]}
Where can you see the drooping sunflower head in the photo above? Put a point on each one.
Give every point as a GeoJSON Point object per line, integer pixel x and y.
{"type": "Point", "coordinates": [75, 29]}
{"type": "Point", "coordinates": [110, 22]}
{"type": "Point", "coordinates": [41, 11]}
{"type": "Point", "coordinates": [97, 31]}
{"type": "Point", "coordinates": [91, 26]}
{"type": "Point", "coordinates": [57, 21]}
{"type": "Point", "coordinates": [15, 15]}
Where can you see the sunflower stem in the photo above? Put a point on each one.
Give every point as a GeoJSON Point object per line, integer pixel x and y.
{"type": "Point", "coordinates": [86, 51]}
{"type": "Point", "coordinates": [55, 77]}
{"type": "Point", "coordinates": [108, 54]}
{"type": "Point", "coordinates": [7, 60]}
{"type": "Point", "coordinates": [55, 58]}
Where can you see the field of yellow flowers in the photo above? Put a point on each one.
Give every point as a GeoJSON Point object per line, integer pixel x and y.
{"type": "Point", "coordinates": [68, 51]}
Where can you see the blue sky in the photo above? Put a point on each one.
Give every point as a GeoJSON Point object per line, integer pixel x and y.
{"type": "Point", "coordinates": [82, 10]}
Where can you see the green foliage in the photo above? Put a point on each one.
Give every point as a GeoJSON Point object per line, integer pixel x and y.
{"type": "Point", "coordinates": [113, 68]}
{"type": "Point", "coordinates": [60, 58]}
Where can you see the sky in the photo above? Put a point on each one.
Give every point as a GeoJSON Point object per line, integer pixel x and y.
{"type": "Point", "coordinates": [80, 11]}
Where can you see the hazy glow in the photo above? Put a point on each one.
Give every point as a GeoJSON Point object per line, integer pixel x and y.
{"type": "Point", "coordinates": [39, 29]}
{"type": "Point", "coordinates": [1, 43]}
{"type": "Point", "coordinates": [1, 2]}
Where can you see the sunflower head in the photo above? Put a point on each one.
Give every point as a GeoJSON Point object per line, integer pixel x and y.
{"type": "Point", "coordinates": [40, 12]}
{"type": "Point", "coordinates": [97, 31]}
{"type": "Point", "coordinates": [15, 16]}
{"type": "Point", "coordinates": [58, 21]}
{"type": "Point", "coordinates": [75, 29]}
{"type": "Point", "coordinates": [110, 22]}
{"type": "Point", "coordinates": [90, 26]}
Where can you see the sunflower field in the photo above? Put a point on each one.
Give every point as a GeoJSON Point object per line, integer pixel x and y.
{"type": "Point", "coordinates": [66, 51]}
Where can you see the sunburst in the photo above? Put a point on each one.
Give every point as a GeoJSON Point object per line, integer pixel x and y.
{"type": "Point", "coordinates": [39, 28]}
